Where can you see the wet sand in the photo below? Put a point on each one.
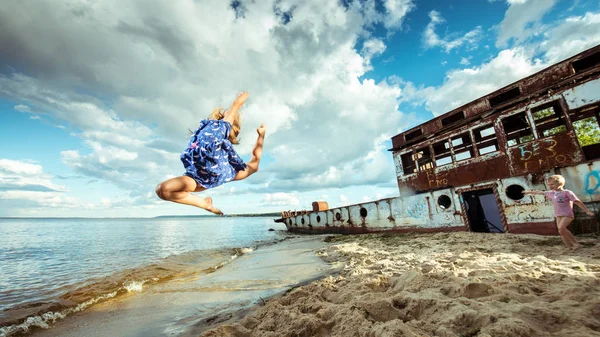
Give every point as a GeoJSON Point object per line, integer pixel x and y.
{"type": "Point", "coordinates": [187, 306]}
{"type": "Point", "coordinates": [443, 284]}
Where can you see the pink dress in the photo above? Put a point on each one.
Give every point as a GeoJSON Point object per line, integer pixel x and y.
{"type": "Point", "coordinates": [563, 202]}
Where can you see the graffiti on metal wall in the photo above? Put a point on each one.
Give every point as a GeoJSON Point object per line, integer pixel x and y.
{"type": "Point", "coordinates": [536, 155]}
{"type": "Point", "coordinates": [592, 183]}
{"type": "Point", "coordinates": [437, 180]}
{"type": "Point", "coordinates": [417, 209]}
{"type": "Point", "coordinates": [398, 164]}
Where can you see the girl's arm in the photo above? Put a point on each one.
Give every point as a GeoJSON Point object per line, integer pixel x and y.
{"type": "Point", "coordinates": [533, 192]}
{"type": "Point", "coordinates": [235, 106]}
{"type": "Point", "coordinates": [256, 154]}
{"type": "Point", "coordinates": [583, 207]}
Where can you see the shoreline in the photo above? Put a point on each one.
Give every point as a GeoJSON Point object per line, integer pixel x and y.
{"type": "Point", "coordinates": [183, 306]}
{"type": "Point", "coordinates": [442, 284]}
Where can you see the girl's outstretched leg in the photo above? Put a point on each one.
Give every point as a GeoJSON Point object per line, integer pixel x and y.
{"type": "Point", "coordinates": [178, 190]}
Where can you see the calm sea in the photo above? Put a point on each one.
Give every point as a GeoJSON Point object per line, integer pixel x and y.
{"type": "Point", "coordinates": [52, 267]}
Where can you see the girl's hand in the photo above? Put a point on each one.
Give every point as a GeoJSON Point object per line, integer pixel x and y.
{"type": "Point", "coordinates": [590, 213]}
{"type": "Point", "coordinates": [241, 98]}
{"type": "Point", "coordinates": [261, 130]}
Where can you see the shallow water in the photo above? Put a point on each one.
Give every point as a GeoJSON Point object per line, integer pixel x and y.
{"type": "Point", "coordinates": [53, 264]}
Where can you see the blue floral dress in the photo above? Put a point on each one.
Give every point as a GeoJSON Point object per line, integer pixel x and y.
{"type": "Point", "coordinates": [210, 158]}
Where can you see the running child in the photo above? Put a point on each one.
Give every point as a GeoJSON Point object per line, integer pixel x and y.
{"type": "Point", "coordinates": [563, 201]}
{"type": "Point", "coordinates": [210, 159]}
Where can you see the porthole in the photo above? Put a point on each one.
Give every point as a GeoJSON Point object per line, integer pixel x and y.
{"type": "Point", "coordinates": [363, 212]}
{"type": "Point", "coordinates": [338, 216]}
{"type": "Point", "coordinates": [302, 220]}
{"type": "Point", "coordinates": [318, 218]}
{"type": "Point", "coordinates": [444, 201]}
{"type": "Point", "coordinates": [515, 192]}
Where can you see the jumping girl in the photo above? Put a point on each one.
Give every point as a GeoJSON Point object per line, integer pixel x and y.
{"type": "Point", "coordinates": [210, 159]}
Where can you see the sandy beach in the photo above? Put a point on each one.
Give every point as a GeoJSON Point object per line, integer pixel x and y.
{"type": "Point", "coordinates": [187, 306]}
{"type": "Point", "coordinates": [443, 284]}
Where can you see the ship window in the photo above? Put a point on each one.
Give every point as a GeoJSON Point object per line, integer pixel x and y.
{"type": "Point", "coordinates": [459, 116]}
{"type": "Point", "coordinates": [408, 163]}
{"type": "Point", "coordinates": [515, 192]}
{"type": "Point", "coordinates": [423, 158]}
{"type": "Point", "coordinates": [587, 130]}
{"type": "Point", "coordinates": [413, 135]}
{"type": "Point", "coordinates": [463, 147]}
{"type": "Point", "coordinates": [586, 62]}
{"type": "Point", "coordinates": [442, 153]}
{"type": "Point", "coordinates": [485, 138]}
{"type": "Point", "coordinates": [517, 129]}
{"type": "Point", "coordinates": [444, 201]}
{"type": "Point", "coordinates": [504, 97]}
{"type": "Point", "coordinates": [548, 120]}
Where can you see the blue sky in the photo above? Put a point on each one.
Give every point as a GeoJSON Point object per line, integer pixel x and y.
{"type": "Point", "coordinates": [96, 97]}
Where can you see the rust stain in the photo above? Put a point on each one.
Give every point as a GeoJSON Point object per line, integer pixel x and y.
{"type": "Point", "coordinates": [543, 154]}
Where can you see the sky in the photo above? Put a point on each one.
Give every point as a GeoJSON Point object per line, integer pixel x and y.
{"type": "Point", "coordinates": [96, 97]}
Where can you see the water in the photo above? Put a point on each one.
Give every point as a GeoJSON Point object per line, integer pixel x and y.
{"type": "Point", "coordinates": [63, 265]}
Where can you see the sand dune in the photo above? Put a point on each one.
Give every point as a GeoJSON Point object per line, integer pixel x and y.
{"type": "Point", "coordinates": [444, 284]}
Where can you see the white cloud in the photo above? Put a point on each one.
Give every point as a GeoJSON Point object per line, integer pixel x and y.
{"type": "Point", "coordinates": [23, 179]}
{"type": "Point", "coordinates": [373, 47]}
{"type": "Point", "coordinates": [22, 108]}
{"type": "Point", "coordinates": [566, 38]}
{"type": "Point", "coordinates": [573, 35]}
{"type": "Point", "coordinates": [464, 85]}
{"type": "Point", "coordinates": [281, 199]}
{"type": "Point", "coordinates": [431, 38]}
{"type": "Point", "coordinates": [129, 169]}
{"type": "Point", "coordinates": [19, 167]}
{"type": "Point", "coordinates": [464, 61]}
{"type": "Point", "coordinates": [395, 12]}
{"type": "Point", "coordinates": [34, 199]}
{"type": "Point", "coordinates": [522, 20]}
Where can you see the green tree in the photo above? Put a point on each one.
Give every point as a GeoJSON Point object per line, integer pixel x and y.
{"type": "Point", "coordinates": [587, 131]}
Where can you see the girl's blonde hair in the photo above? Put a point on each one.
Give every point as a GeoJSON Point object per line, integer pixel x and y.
{"type": "Point", "coordinates": [558, 178]}
{"type": "Point", "coordinates": [219, 113]}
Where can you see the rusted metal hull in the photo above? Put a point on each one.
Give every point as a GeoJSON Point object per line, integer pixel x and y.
{"type": "Point", "coordinates": [365, 230]}
{"type": "Point", "coordinates": [422, 212]}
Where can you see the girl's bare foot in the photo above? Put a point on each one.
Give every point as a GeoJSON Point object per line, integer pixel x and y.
{"type": "Point", "coordinates": [210, 207]}
{"type": "Point", "coordinates": [575, 247]}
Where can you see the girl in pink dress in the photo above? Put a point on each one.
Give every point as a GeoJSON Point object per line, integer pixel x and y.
{"type": "Point", "coordinates": [563, 201]}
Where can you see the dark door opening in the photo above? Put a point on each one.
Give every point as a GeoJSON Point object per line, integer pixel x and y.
{"type": "Point", "coordinates": [482, 211]}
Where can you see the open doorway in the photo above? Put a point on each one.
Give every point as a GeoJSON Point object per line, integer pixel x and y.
{"type": "Point", "coordinates": [482, 211]}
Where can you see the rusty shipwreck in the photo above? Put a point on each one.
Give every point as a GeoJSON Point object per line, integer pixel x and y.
{"type": "Point", "coordinates": [466, 169]}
